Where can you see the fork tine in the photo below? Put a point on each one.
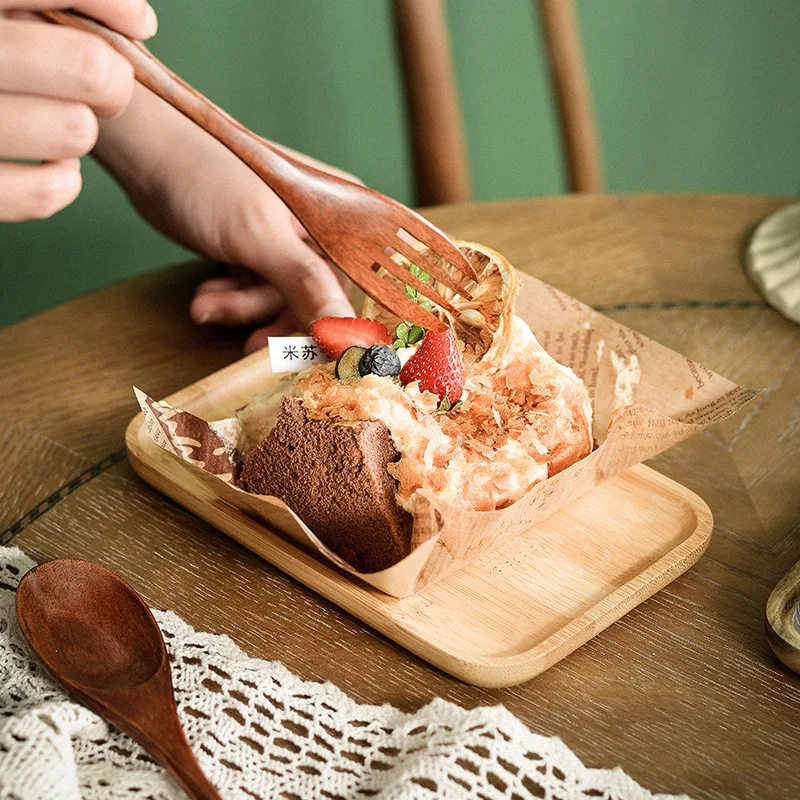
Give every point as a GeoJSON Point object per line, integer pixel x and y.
{"type": "Point", "coordinates": [421, 260]}
{"type": "Point", "coordinates": [389, 296]}
{"type": "Point", "coordinates": [400, 271]}
{"type": "Point", "coordinates": [433, 238]}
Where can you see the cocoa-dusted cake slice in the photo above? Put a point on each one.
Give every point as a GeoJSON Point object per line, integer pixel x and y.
{"type": "Point", "coordinates": [334, 477]}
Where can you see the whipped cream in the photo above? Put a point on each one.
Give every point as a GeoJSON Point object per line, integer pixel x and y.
{"type": "Point", "coordinates": [404, 353]}
{"type": "Point", "coordinates": [627, 374]}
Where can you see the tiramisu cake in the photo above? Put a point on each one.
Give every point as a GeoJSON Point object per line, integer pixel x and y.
{"type": "Point", "coordinates": [475, 415]}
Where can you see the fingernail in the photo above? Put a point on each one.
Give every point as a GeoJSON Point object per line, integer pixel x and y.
{"type": "Point", "coordinates": [150, 21]}
{"type": "Point", "coordinates": [205, 317]}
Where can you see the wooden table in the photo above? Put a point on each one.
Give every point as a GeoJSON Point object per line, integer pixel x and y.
{"type": "Point", "coordinates": [683, 692]}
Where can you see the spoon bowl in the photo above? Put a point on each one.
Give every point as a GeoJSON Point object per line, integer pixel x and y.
{"type": "Point", "coordinates": [97, 637]}
{"type": "Point", "coordinates": [78, 634]}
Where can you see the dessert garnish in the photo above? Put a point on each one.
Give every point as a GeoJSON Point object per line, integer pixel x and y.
{"type": "Point", "coordinates": [435, 364]}
{"type": "Point", "coordinates": [357, 362]}
{"type": "Point", "coordinates": [379, 360]}
{"type": "Point", "coordinates": [437, 367]}
{"type": "Point", "coordinates": [412, 293]}
{"type": "Point", "coordinates": [335, 334]}
{"type": "Point", "coordinates": [347, 364]}
{"type": "Point", "coordinates": [407, 335]}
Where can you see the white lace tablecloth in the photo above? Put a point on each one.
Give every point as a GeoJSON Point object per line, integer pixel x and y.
{"type": "Point", "coordinates": [261, 732]}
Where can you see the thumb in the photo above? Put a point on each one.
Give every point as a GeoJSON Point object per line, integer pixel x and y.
{"type": "Point", "coordinates": [308, 283]}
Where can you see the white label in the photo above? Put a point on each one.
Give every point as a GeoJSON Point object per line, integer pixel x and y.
{"type": "Point", "coordinates": [294, 353]}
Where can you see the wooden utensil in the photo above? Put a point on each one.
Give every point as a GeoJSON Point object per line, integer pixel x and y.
{"type": "Point", "coordinates": [98, 639]}
{"type": "Point", "coordinates": [357, 227]}
{"type": "Point", "coordinates": [783, 619]}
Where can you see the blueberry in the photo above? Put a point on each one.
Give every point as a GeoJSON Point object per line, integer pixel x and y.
{"type": "Point", "coordinates": [347, 364]}
{"type": "Point", "coordinates": [380, 360]}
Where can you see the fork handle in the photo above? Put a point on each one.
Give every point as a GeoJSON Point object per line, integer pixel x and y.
{"type": "Point", "coordinates": [277, 169]}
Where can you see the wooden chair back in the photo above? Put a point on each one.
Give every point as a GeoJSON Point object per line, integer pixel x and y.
{"type": "Point", "coordinates": [441, 164]}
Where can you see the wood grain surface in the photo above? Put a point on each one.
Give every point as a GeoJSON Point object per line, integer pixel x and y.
{"type": "Point", "coordinates": [683, 692]}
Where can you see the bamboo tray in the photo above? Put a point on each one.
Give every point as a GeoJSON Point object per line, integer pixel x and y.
{"type": "Point", "coordinates": [510, 614]}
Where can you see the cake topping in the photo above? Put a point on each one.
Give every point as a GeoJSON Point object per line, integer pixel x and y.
{"type": "Point", "coordinates": [437, 367]}
{"type": "Point", "coordinates": [347, 369]}
{"type": "Point", "coordinates": [335, 334]}
{"type": "Point", "coordinates": [407, 335]}
{"type": "Point", "coordinates": [379, 360]}
{"type": "Point", "coordinates": [357, 362]}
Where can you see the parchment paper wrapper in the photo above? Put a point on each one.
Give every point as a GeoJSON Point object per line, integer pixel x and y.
{"type": "Point", "coordinates": [645, 399]}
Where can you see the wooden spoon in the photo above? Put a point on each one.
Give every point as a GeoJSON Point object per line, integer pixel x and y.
{"type": "Point", "coordinates": [783, 619]}
{"type": "Point", "coordinates": [98, 639]}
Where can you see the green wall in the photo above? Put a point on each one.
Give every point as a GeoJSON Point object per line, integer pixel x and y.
{"type": "Point", "coordinates": [690, 96]}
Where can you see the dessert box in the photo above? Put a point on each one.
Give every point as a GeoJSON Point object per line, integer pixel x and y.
{"type": "Point", "coordinates": [543, 574]}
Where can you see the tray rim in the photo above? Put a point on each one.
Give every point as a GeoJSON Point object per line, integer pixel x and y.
{"type": "Point", "coordinates": [374, 608]}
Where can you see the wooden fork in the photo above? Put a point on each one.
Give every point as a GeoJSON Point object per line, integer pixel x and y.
{"type": "Point", "coordinates": [354, 225]}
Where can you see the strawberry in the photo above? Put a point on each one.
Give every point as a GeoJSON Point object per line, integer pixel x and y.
{"type": "Point", "coordinates": [335, 334]}
{"type": "Point", "coordinates": [437, 366]}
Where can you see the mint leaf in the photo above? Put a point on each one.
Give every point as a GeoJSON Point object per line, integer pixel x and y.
{"type": "Point", "coordinates": [419, 273]}
{"type": "Point", "coordinates": [415, 334]}
{"type": "Point", "coordinates": [415, 295]}
{"type": "Point", "coordinates": [402, 330]}
{"type": "Point", "coordinates": [407, 334]}
{"type": "Point", "coordinates": [445, 405]}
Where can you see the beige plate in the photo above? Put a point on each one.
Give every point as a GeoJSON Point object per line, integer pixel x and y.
{"type": "Point", "coordinates": [510, 614]}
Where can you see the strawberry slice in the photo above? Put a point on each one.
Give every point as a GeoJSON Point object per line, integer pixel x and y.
{"type": "Point", "coordinates": [335, 334]}
{"type": "Point", "coordinates": [437, 366]}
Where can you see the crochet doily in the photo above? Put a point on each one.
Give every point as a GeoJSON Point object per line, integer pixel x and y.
{"type": "Point", "coordinates": [261, 732]}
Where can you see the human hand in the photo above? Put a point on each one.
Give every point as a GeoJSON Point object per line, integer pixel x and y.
{"type": "Point", "coordinates": [54, 83]}
{"type": "Point", "coordinates": [190, 187]}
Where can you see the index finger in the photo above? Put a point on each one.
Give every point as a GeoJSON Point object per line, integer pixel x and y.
{"type": "Point", "coordinates": [134, 18]}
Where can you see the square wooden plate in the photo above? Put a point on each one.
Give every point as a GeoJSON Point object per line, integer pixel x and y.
{"type": "Point", "coordinates": [511, 613]}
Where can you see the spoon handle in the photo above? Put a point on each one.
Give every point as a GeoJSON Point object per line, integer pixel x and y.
{"type": "Point", "coordinates": [147, 713]}
{"type": "Point", "coordinates": [276, 168]}
{"type": "Point", "coordinates": [179, 760]}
